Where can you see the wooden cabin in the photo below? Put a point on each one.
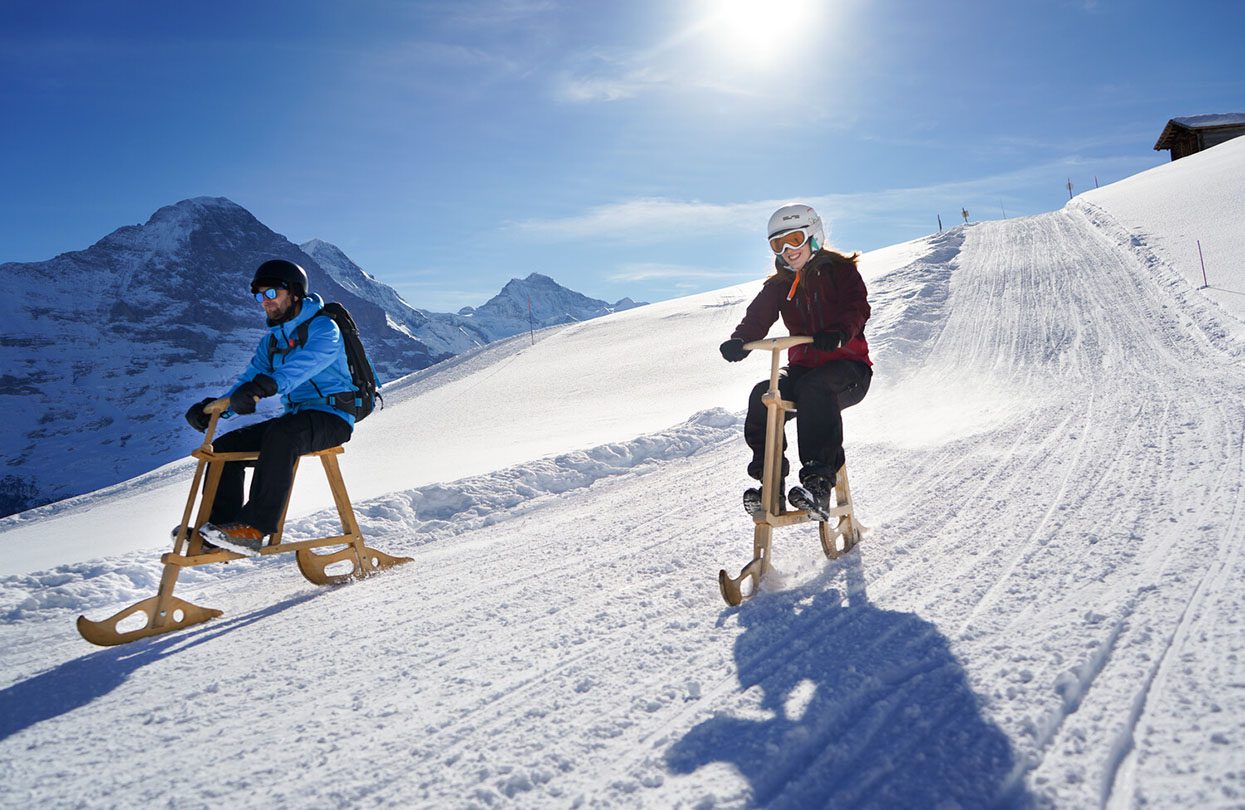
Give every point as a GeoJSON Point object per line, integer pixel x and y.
{"type": "Point", "coordinates": [1193, 133]}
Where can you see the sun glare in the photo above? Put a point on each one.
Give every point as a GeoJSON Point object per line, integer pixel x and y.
{"type": "Point", "coordinates": [760, 31]}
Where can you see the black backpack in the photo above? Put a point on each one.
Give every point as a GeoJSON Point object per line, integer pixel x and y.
{"type": "Point", "coordinates": [362, 401]}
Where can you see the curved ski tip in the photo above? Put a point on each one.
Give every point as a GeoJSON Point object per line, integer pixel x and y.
{"type": "Point", "coordinates": [730, 589]}
{"type": "Point", "coordinates": [101, 634]}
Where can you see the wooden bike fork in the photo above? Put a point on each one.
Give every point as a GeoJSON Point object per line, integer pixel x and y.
{"type": "Point", "coordinates": [165, 612]}
{"type": "Point", "coordinates": [771, 475]}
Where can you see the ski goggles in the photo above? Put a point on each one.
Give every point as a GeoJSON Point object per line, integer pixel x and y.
{"type": "Point", "coordinates": [270, 294]}
{"type": "Point", "coordinates": [791, 239]}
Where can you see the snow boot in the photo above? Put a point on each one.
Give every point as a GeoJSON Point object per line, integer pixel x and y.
{"type": "Point", "coordinates": [813, 494]}
{"type": "Point", "coordinates": [237, 537]}
{"type": "Point", "coordinates": [207, 548]}
{"type": "Point", "coordinates": [754, 503]}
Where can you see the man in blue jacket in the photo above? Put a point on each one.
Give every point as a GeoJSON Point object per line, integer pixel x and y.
{"type": "Point", "coordinates": [307, 376]}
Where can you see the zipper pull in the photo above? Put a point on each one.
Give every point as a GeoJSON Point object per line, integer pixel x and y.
{"type": "Point", "coordinates": [794, 284]}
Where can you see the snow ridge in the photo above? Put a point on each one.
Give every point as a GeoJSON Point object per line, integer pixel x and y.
{"type": "Point", "coordinates": [1211, 320]}
{"type": "Point", "coordinates": [399, 522]}
{"type": "Point", "coordinates": [910, 304]}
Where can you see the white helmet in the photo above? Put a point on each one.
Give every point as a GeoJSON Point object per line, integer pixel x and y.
{"type": "Point", "coordinates": [797, 217]}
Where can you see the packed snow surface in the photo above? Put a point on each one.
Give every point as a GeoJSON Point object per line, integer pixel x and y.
{"type": "Point", "coordinates": [1185, 216]}
{"type": "Point", "coordinates": [1045, 611]}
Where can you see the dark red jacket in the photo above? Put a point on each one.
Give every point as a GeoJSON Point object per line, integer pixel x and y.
{"type": "Point", "coordinates": [830, 297]}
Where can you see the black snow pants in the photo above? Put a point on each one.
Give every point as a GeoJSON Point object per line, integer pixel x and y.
{"type": "Point", "coordinates": [280, 442]}
{"type": "Point", "coordinates": [820, 395]}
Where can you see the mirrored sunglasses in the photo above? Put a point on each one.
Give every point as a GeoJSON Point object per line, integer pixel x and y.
{"type": "Point", "coordinates": [270, 294]}
{"type": "Point", "coordinates": [791, 239]}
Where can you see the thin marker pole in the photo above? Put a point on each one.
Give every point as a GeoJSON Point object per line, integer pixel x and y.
{"type": "Point", "coordinates": [1205, 283]}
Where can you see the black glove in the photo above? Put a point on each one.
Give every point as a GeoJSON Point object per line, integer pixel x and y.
{"type": "Point", "coordinates": [242, 400]}
{"type": "Point", "coordinates": [828, 341]}
{"type": "Point", "coordinates": [733, 350]}
{"type": "Point", "coordinates": [196, 417]}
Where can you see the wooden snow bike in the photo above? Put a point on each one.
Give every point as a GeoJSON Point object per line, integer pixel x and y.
{"type": "Point", "coordinates": [846, 527]}
{"type": "Point", "coordinates": [164, 612]}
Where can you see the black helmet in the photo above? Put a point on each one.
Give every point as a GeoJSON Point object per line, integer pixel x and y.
{"type": "Point", "coordinates": [281, 273]}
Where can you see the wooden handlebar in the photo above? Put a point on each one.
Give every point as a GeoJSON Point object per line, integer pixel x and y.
{"type": "Point", "coordinates": [214, 409]}
{"type": "Point", "coordinates": [217, 406]}
{"type": "Point", "coordinates": [777, 343]}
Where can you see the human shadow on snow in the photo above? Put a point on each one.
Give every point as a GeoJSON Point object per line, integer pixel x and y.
{"type": "Point", "coordinates": [76, 683]}
{"type": "Point", "coordinates": [858, 707]}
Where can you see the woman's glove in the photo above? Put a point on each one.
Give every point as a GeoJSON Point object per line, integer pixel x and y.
{"type": "Point", "coordinates": [828, 341]}
{"type": "Point", "coordinates": [733, 350]}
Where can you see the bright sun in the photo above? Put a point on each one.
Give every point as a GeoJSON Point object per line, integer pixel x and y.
{"type": "Point", "coordinates": [760, 30]}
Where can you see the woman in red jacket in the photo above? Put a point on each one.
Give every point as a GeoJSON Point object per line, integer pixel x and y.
{"type": "Point", "coordinates": [818, 292]}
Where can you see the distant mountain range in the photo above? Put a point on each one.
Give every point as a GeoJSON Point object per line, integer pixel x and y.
{"type": "Point", "coordinates": [103, 349]}
{"type": "Point", "coordinates": [503, 315]}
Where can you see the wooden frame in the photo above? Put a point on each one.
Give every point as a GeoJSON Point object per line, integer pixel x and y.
{"type": "Point", "coordinates": [846, 527]}
{"type": "Point", "coordinates": [165, 613]}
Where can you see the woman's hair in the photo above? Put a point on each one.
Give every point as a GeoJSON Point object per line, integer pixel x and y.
{"type": "Point", "coordinates": [786, 273]}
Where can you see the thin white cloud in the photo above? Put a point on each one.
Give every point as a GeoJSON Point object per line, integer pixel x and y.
{"type": "Point", "coordinates": [654, 220]}
{"type": "Point", "coordinates": [643, 271]}
{"type": "Point", "coordinates": [604, 86]}
{"type": "Point", "coordinates": [648, 219]}
{"type": "Point", "coordinates": [398, 60]}
{"type": "Point", "coordinates": [502, 12]}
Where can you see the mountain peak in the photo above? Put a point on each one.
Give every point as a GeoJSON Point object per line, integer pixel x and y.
{"type": "Point", "coordinates": [197, 207]}
{"type": "Point", "coordinates": [169, 228]}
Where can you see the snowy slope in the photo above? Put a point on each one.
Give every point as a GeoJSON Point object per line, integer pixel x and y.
{"type": "Point", "coordinates": [576, 386]}
{"type": "Point", "coordinates": [1045, 611]}
{"type": "Point", "coordinates": [1164, 213]}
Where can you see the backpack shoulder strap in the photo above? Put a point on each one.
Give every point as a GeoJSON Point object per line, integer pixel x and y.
{"type": "Point", "coordinates": [300, 336]}
{"type": "Point", "coordinates": [300, 331]}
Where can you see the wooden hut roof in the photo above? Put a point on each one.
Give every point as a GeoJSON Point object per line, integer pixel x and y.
{"type": "Point", "coordinates": [1191, 123]}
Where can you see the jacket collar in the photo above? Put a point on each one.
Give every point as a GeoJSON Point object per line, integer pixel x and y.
{"type": "Point", "coordinates": [818, 260]}
{"type": "Point", "coordinates": [312, 304]}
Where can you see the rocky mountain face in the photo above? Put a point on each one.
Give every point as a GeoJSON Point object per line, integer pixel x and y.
{"type": "Point", "coordinates": [102, 350]}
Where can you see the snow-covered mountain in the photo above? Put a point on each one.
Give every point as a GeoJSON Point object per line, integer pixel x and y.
{"type": "Point", "coordinates": [1044, 612]}
{"type": "Point", "coordinates": [506, 314]}
{"type": "Point", "coordinates": [103, 349]}
{"type": "Point", "coordinates": [536, 302]}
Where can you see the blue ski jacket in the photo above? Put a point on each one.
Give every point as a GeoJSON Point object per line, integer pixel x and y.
{"type": "Point", "coordinates": [308, 375]}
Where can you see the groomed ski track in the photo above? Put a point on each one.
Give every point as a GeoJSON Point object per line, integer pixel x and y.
{"type": "Point", "coordinates": [1044, 612]}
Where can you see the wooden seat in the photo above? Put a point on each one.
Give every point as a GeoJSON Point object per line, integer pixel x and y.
{"type": "Point", "coordinates": [165, 612]}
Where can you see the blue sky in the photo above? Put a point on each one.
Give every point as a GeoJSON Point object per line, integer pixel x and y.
{"type": "Point", "coordinates": [624, 148]}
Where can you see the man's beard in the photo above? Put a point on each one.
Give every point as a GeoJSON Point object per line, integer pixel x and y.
{"type": "Point", "coordinates": [284, 315]}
